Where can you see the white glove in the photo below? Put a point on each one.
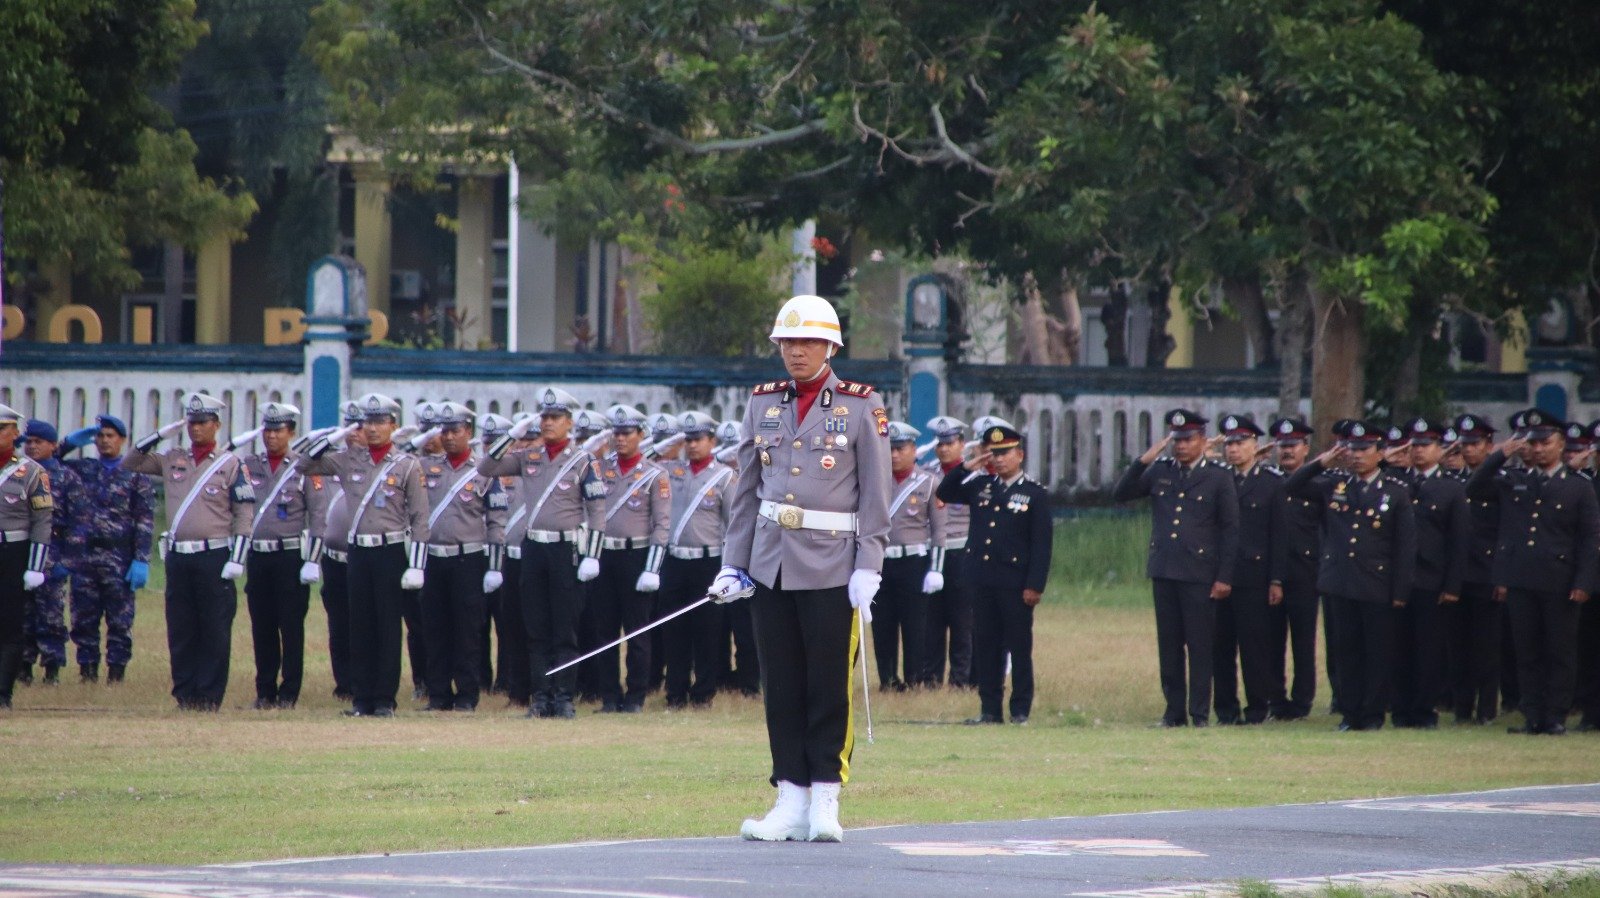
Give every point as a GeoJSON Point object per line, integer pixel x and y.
{"type": "Point", "coordinates": [521, 428]}
{"type": "Point", "coordinates": [493, 580]}
{"type": "Point", "coordinates": [421, 439]}
{"type": "Point", "coordinates": [411, 579]}
{"type": "Point", "coordinates": [932, 582]}
{"type": "Point", "coordinates": [863, 586]}
{"type": "Point", "coordinates": [648, 582]}
{"type": "Point", "coordinates": [730, 584]}
{"type": "Point", "coordinates": [310, 572]}
{"type": "Point", "coordinates": [233, 570]}
{"type": "Point", "coordinates": [167, 430]}
{"type": "Point", "coordinates": [588, 569]}
{"type": "Point", "coordinates": [32, 579]}
{"type": "Point", "coordinates": [243, 439]}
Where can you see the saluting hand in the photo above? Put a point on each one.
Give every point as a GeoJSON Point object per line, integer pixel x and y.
{"type": "Point", "coordinates": [1511, 445]}
{"type": "Point", "coordinates": [977, 462]}
{"type": "Point", "coordinates": [1154, 452]}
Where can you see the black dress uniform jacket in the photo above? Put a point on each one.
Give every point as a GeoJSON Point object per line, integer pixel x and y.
{"type": "Point", "coordinates": [1194, 515]}
{"type": "Point", "coordinates": [1444, 532]}
{"type": "Point", "coordinates": [1261, 517]}
{"type": "Point", "coordinates": [1007, 546]}
{"type": "Point", "coordinates": [1483, 532]}
{"type": "Point", "coordinates": [1369, 543]}
{"type": "Point", "coordinates": [1297, 542]}
{"type": "Point", "coordinates": [1549, 527]}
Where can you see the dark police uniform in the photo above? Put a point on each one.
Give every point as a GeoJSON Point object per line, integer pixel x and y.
{"type": "Point", "coordinates": [1586, 693]}
{"type": "Point", "coordinates": [1549, 546]}
{"type": "Point", "coordinates": [1294, 570]}
{"type": "Point", "coordinates": [1008, 551]}
{"type": "Point", "coordinates": [46, 627]}
{"type": "Point", "coordinates": [1244, 625]}
{"type": "Point", "coordinates": [1369, 548]}
{"type": "Point", "coordinates": [1472, 626]}
{"type": "Point", "coordinates": [26, 516]}
{"type": "Point", "coordinates": [1444, 527]}
{"type": "Point", "coordinates": [1194, 540]}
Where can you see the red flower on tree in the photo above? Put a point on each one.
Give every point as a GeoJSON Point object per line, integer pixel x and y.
{"type": "Point", "coordinates": [824, 248]}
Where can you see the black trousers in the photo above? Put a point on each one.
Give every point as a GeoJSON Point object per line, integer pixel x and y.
{"type": "Point", "coordinates": [278, 603]}
{"type": "Point", "coordinates": [1586, 692]}
{"type": "Point", "coordinates": [1366, 652]}
{"type": "Point", "coordinates": [1294, 629]}
{"type": "Point", "coordinates": [1242, 642]}
{"type": "Point", "coordinates": [1418, 650]}
{"type": "Point", "coordinates": [1002, 624]}
{"type": "Point", "coordinates": [1330, 650]}
{"type": "Point", "coordinates": [1510, 685]}
{"type": "Point", "coordinates": [14, 599]}
{"type": "Point", "coordinates": [375, 608]}
{"type": "Point", "coordinates": [511, 635]}
{"type": "Point", "coordinates": [615, 608]}
{"type": "Point", "coordinates": [200, 611]}
{"type": "Point", "coordinates": [1471, 635]}
{"type": "Point", "coordinates": [453, 613]}
{"type": "Point", "coordinates": [808, 640]}
{"type": "Point", "coordinates": [336, 602]}
{"type": "Point", "coordinates": [745, 673]}
{"type": "Point", "coordinates": [949, 615]}
{"type": "Point", "coordinates": [1544, 626]}
{"type": "Point", "coordinates": [899, 619]}
{"type": "Point", "coordinates": [552, 600]}
{"type": "Point", "coordinates": [692, 642]}
{"type": "Point", "coordinates": [416, 642]}
{"type": "Point", "coordinates": [1186, 621]}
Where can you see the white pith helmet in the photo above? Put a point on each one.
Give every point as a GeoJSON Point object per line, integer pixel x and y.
{"type": "Point", "coordinates": [807, 317]}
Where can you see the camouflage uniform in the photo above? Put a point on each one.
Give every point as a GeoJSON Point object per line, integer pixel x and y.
{"type": "Point", "coordinates": [114, 530]}
{"type": "Point", "coordinates": [45, 626]}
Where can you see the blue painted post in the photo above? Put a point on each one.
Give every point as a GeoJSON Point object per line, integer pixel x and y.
{"type": "Point", "coordinates": [926, 328]}
{"type": "Point", "coordinates": [336, 320]}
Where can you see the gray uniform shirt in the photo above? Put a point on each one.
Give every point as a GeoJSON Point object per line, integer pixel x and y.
{"type": "Point", "coordinates": [478, 506]}
{"type": "Point", "coordinates": [286, 516]}
{"type": "Point", "coordinates": [25, 500]}
{"type": "Point", "coordinates": [578, 498]}
{"type": "Point", "coordinates": [707, 523]}
{"type": "Point", "coordinates": [226, 502]}
{"type": "Point", "coordinates": [836, 460]}
{"type": "Point", "coordinates": [920, 518]}
{"type": "Point", "coordinates": [956, 515]}
{"type": "Point", "coordinates": [399, 503]}
{"type": "Point", "coordinates": [638, 503]}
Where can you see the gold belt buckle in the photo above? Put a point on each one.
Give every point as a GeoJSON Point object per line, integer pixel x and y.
{"type": "Point", "coordinates": [790, 517]}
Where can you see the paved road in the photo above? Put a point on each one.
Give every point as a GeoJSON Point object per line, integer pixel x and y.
{"type": "Point", "coordinates": [1428, 839]}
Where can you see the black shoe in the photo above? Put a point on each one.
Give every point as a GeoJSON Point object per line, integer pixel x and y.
{"type": "Point", "coordinates": [465, 708]}
{"type": "Point", "coordinates": [1201, 722]}
{"type": "Point", "coordinates": [1230, 720]}
{"type": "Point", "coordinates": [1347, 727]}
{"type": "Point", "coordinates": [116, 673]}
{"type": "Point", "coordinates": [1527, 729]}
{"type": "Point", "coordinates": [1554, 729]}
{"type": "Point", "coordinates": [609, 706]}
{"type": "Point", "coordinates": [264, 704]}
{"type": "Point", "coordinates": [632, 708]}
{"type": "Point", "coordinates": [440, 706]}
{"type": "Point", "coordinates": [1019, 719]}
{"type": "Point", "coordinates": [419, 693]}
{"type": "Point", "coordinates": [52, 675]}
{"type": "Point", "coordinates": [25, 675]}
{"type": "Point", "coordinates": [1586, 726]}
{"type": "Point", "coordinates": [342, 695]}
{"type": "Point", "coordinates": [982, 719]}
{"type": "Point", "coordinates": [287, 704]}
{"type": "Point", "coordinates": [89, 673]}
{"type": "Point", "coordinates": [383, 712]}
{"type": "Point", "coordinates": [1168, 723]}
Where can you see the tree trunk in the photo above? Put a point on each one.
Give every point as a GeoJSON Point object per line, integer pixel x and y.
{"type": "Point", "coordinates": [1160, 344]}
{"type": "Point", "coordinates": [1337, 381]}
{"type": "Point", "coordinates": [1071, 342]}
{"type": "Point", "coordinates": [1035, 324]}
{"type": "Point", "coordinates": [1408, 380]}
{"type": "Point", "coordinates": [1294, 327]}
{"type": "Point", "coordinates": [1246, 296]}
{"type": "Point", "coordinates": [1114, 314]}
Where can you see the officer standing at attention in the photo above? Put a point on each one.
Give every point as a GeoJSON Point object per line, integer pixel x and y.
{"type": "Point", "coordinates": [26, 517]}
{"type": "Point", "coordinates": [809, 525]}
{"type": "Point", "coordinates": [702, 497]}
{"type": "Point", "coordinates": [913, 566]}
{"type": "Point", "coordinates": [949, 609]}
{"type": "Point", "coordinates": [328, 556]}
{"type": "Point", "coordinates": [1369, 549]}
{"type": "Point", "coordinates": [1194, 540]}
{"type": "Point", "coordinates": [466, 543]}
{"type": "Point", "coordinates": [1472, 630]}
{"type": "Point", "coordinates": [622, 599]}
{"type": "Point", "coordinates": [274, 594]}
{"type": "Point", "coordinates": [388, 537]}
{"type": "Point", "coordinates": [1244, 623]}
{"type": "Point", "coordinates": [209, 507]}
{"type": "Point", "coordinates": [1444, 529]}
{"type": "Point", "coordinates": [1008, 561]}
{"type": "Point", "coordinates": [561, 544]}
{"type": "Point", "coordinates": [745, 673]}
{"type": "Point", "coordinates": [491, 670]}
{"type": "Point", "coordinates": [511, 633]}
{"type": "Point", "coordinates": [1546, 564]}
{"type": "Point", "coordinates": [46, 628]}
{"type": "Point", "coordinates": [1292, 595]}
{"type": "Point", "coordinates": [116, 533]}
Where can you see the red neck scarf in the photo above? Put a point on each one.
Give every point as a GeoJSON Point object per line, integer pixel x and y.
{"type": "Point", "coordinates": [551, 450]}
{"type": "Point", "coordinates": [7, 457]}
{"type": "Point", "coordinates": [947, 468]}
{"type": "Point", "coordinates": [273, 461]}
{"type": "Point", "coordinates": [806, 393]}
{"type": "Point", "coordinates": [900, 476]}
{"type": "Point", "coordinates": [627, 464]}
{"type": "Point", "coordinates": [198, 451]}
{"type": "Point", "coordinates": [457, 461]}
{"type": "Point", "coordinates": [379, 452]}
{"type": "Point", "coordinates": [698, 466]}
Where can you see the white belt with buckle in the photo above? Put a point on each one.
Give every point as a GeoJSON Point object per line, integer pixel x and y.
{"type": "Point", "coordinates": [14, 536]}
{"type": "Point", "coordinates": [551, 536]}
{"type": "Point", "coordinates": [690, 553]}
{"type": "Point", "coordinates": [910, 551]}
{"type": "Point", "coordinates": [624, 542]}
{"type": "Point", "coordinates": [514, 552]}
{"type": "Point", "coordinates": [453, 550]}
{"type": "Point", "coordinates": [336, 555]}
{"type": "Point", "coordinates": [793, 517]}
{"type": "Point", "coordinates": [194, 546]}
{"type": "Point", "coordinates": [374, 540]}
{"type": "Point", "coordinates": [951, 545]}
{"type": "Point", "coordinates": [274, 545]}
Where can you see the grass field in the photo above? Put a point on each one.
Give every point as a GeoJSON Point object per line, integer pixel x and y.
{"type": "Point", "coordinates": [98, 773]}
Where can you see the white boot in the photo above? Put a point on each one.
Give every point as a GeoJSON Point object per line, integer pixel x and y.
{"type": "Point", "coordinates": [787, 821]}
{"type": "Point", "coordinates": [824, 823]}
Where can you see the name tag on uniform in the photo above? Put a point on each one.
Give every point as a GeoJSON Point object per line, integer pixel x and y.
{"type": "Point", "coordinates": [769, 423]}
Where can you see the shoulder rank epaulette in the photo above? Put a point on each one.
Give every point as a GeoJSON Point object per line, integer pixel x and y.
{"type": "Point", "coordinates": [1273, 469]}
{"type": "Point", "coordinates": [855, 389]}
{"type": "Point", "coordinates": [777, 386]}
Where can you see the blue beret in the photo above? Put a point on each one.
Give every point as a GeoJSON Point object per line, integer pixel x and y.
{"type": "Point", "coordinates": [42, 430]}
{"type": "Point", "coordinates": [113, 422]}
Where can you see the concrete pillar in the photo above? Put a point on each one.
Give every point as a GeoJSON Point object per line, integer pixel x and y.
{"type": "Point", "coordinates": [805, 270]}
{"type": "Point", "coordinates": [533, 277]}
{"type": "Point", "coordinates": [1180, 326]}
{"type": "Point", "coordinates": [213, 291]}
{"type": "Point", "coordinates": [474, 258]}
{"type": "Point", "coordinates": [372, 232]}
